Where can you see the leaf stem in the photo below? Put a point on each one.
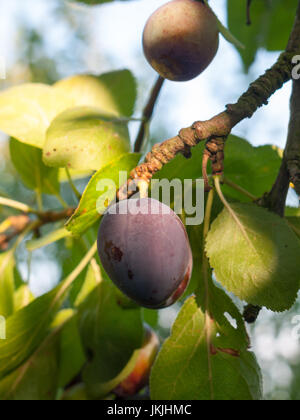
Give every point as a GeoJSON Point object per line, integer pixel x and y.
{"type": "Point", "coordinates": [208, 211]}
{"type": "Point", "coordinates": [39, 199]}
{"type": "Point", "coordinates": [57, 195]}
{"type": "Point", "coordinates": [295, 229]}
{"type": "Point", "coordinates": [72, 185]}
{"type": "Point", "coordinates": [61, 200]}
{"type": "Point", "coordinates": [230, 210]}
{"type": "Point", "coordinates": [32, 226]}
{"type": "Point", "coordinates": [16, 205]}
{"type": "Point", "coordinates": [208, 319]}
{"type": "Point", "coordinates": [239, 189]}
{"type": "Point", "coordinates": [205, 266]}
{"type": "Point", "coordinates": [225, 32]}
{"type": "Point", "coordinates": [43, 219]}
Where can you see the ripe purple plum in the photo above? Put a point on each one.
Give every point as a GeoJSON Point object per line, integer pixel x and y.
{"type": "Point", "coordinates": [181, 39]}
{"type": "Point", "coordinates": [144, 248]}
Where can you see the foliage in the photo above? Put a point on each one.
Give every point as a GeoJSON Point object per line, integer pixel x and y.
{"type": "Point", "coordinates": [82, 338]}
{"type": "Point", "coordinates": [266, 18]}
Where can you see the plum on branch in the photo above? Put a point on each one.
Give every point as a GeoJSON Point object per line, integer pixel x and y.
{"type": "Point", "coordinates": [144, 248]}
{"type": "Point", "coordinates": [181, 39]}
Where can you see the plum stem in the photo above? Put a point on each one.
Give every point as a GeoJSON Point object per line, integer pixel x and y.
{"type": "Point", "coordinates": [16, 205]}
{"type": "Point", "coordinates": [143, 188]}
{"type": "Point", "coordinates": [72, 185]}
{"type": "Point", "coordinates": [225, 31]}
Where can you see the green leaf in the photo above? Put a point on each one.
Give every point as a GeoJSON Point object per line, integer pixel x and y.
{"type": "Point", "coordinates": [26, 111]}
{"type": "Point", "coordinates": [193, 363]}
{"type": "Point", "coordinates": [182, 168]}
{"type": "Point", "coordinates": [36, 379]}
{"type": "Point", "coordinates": [292, 211]}
{"type": "Point", "coordinates": [99, 193]}
{"type": "Point", "coordinates": [294, 223]}
{"type": "Point", "coordinates": [231, 325]}
{"type": "Point", "coordinates": [84, 139]}
{"type": "Point", "coordinates": [6, 284]}
{"type": "Point", "coordinates": [71, 353]}
{"type": "Point", "coordinates": [27, 328]}
{"type": "Point", "coordinates": [71, 252]}
{"type": "Point", "coordinates": [54, 362]}
{"type": "Point", "coordinates": [100, 390]}
{"type": "Point", "coordinates": [255, 255]}
{"type": "Point", "coordinates": [29, 164]}
{"type": "Point", "coordinates": [22, 297]}
{"type": "Point", "coordinates": [195, 234]}
{"type": "Point", "coordinates": [92, 279]}
{"type": "Point", "coordinates": [111, 335]}
{"type": "Point", "coordinates": [251, 36]}
{"type": "Point", "coordinates": [282, 16]}
{"type": "Point", "coordinates": [112, 93]}
{"type": "Point", "coordinates": [252, 168]}
{"type": "Point", "coordinates": [150, 317]}
{"type": "Point", "coordinates": [75, 393]}
{"type": "Point", "coordinates": [266, 16]}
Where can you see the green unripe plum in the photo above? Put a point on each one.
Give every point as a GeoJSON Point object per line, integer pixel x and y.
{"type": "Point", "coordinates": [181, 39]}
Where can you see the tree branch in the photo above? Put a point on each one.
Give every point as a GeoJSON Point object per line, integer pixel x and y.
{"type": "Point", "coordinates": [216, 130]}
{"type": "Point", "coordinates": [147, 113]}
{"type": "Point", "coordinates": [292, 151]}
{"type": "Point", "coordinates": [18, 224]}
{"type": "Point", "coordinates": [290, 167]}
{"type": "Point", "coordinates": [275, 200]}
{"type": "Point", "coordinates": [14, 226]}
{"type": "Point", "coordinates": [218, 127]}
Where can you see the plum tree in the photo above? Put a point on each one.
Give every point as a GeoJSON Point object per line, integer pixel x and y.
{"type": "Point", "coordinates": [139, 377]}
{"type": "Point", "coordinates": [145, 250]}
{"type": "Point", "coordinates": [84, 339]}
{"type": "Point", "coordinates": [181, 39]}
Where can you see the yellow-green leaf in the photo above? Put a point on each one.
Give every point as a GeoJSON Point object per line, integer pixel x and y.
{"type": "Point", "coordinates": [84, 139]}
